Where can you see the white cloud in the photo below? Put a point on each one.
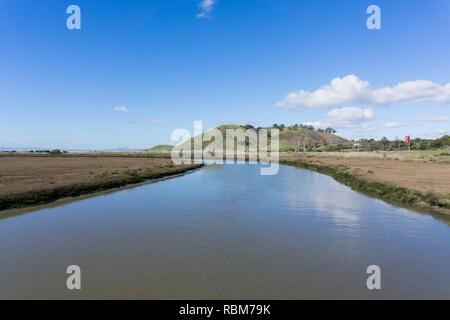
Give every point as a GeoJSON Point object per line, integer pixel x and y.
{"type": "Point", "coordinates": [393, 124]}
{"type": "Point", "coordinates": [350, 90]}
{"type": "Point", "coordinates": [157, 120]}
{"type": "Point", "coordinates": [441, 118]}
{"type": "Point", "coordinates": [121, 109]}
{"type": "Point", "coordinates": [207, 7]}
{"type": "Point", "coordinates": [355, 119]}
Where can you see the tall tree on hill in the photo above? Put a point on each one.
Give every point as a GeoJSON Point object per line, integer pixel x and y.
{"type": "Point", "coordinates": [301, 144]}
{"type": "Point", "coordinates": [309, 143]}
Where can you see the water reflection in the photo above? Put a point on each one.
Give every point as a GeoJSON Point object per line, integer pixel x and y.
{"type": "Point", "coordinates": [312, 194]}
{"type": "Point", "coordinates": [226, 232]}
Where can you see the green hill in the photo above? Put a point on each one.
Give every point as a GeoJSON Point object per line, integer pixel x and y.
{"type": "Point", "coordinates": [292, 138]}
{"type": "Point", "coordinates": [162, 147]}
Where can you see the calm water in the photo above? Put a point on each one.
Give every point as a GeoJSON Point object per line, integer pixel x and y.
{"type": "Point", "coordinates": [226, 232]}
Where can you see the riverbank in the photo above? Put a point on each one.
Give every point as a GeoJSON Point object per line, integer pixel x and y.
{"type": "Point", "coordinates": [423, 184]}
{"type": "Point", "coordinates": [32, 180]}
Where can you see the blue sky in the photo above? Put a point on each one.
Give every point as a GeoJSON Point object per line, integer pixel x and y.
{"type": "Point", "coordinates": [170, 62]}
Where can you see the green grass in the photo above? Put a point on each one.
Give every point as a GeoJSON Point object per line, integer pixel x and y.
{"type": "Point", "coordinates": [285, 147]}
{"type": "Point", "coordinates": [229, 126]}
{"type": "Point", "coordinates": [162, 147]}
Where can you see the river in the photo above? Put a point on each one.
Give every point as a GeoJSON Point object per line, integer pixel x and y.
{"type": "Point", "coordinates": [226, 232]}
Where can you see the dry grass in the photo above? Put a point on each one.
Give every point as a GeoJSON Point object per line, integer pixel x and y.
{"type": "Point", "coordinates": [22, 175]}
{"type": "Point", "coordinates": [426, 172]}
{"type": "Point", "coordinates": [426, 155]}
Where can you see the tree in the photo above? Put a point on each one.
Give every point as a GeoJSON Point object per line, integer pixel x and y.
{"type": "Point", "coordinates": [384, 142]}
{"type": "Point", "coordinates": [330, 130]}
{"type": "Point", "coordinates": [301, 144]}
{"type": "Point", "coordinates": [309, 143]}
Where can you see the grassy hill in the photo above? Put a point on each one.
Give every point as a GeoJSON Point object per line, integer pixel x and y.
{"type": "Point", "coordinates": [291, 138]}
{"type": "Point", "coordinates": [162, 147]}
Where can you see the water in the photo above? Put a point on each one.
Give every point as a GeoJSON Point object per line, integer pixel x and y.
{"type": "Point", "coordinates": [225, 232]}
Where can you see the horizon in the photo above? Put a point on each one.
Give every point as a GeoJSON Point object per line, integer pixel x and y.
{"type": "Point", "coordinates": [40, 148]}
{"type": "Point", "coordinates": [122, 81]}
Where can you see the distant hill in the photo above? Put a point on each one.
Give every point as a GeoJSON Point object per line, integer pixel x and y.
{"type": "Point", "coordinates": [162, 147]}
{"type": "Point", "coordinates": [37, 149]}
{"type": "Point", "coordinates": [291, 138]}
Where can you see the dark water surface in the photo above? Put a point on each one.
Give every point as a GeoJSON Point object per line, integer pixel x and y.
{"type": "Point", "coordinates": [226, 232]}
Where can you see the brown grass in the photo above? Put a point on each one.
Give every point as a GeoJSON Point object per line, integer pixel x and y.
{"type": "Point", "coordinates": [27, 174]}
{"type": "Point", "coordinates": [419, 175]}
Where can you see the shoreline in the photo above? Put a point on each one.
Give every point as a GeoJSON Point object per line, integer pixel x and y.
{"type": "Point", "coordinates": [72, 192]}
{"type": "Point", "coordinates": [340, 169]}
{"type": "Point", "coordinates": [389, 193]}
{"type": "Point", "coordinates": [427, 203]}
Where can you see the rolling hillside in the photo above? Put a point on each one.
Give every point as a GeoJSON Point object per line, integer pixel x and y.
{"type": "Point", "coordinates": [162, 147]}
{"type": "Point", "coordinates": [291, 138]}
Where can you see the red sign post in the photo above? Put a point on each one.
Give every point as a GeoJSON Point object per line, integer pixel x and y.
{"type": "Point", "coordinates": [408, 142]}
